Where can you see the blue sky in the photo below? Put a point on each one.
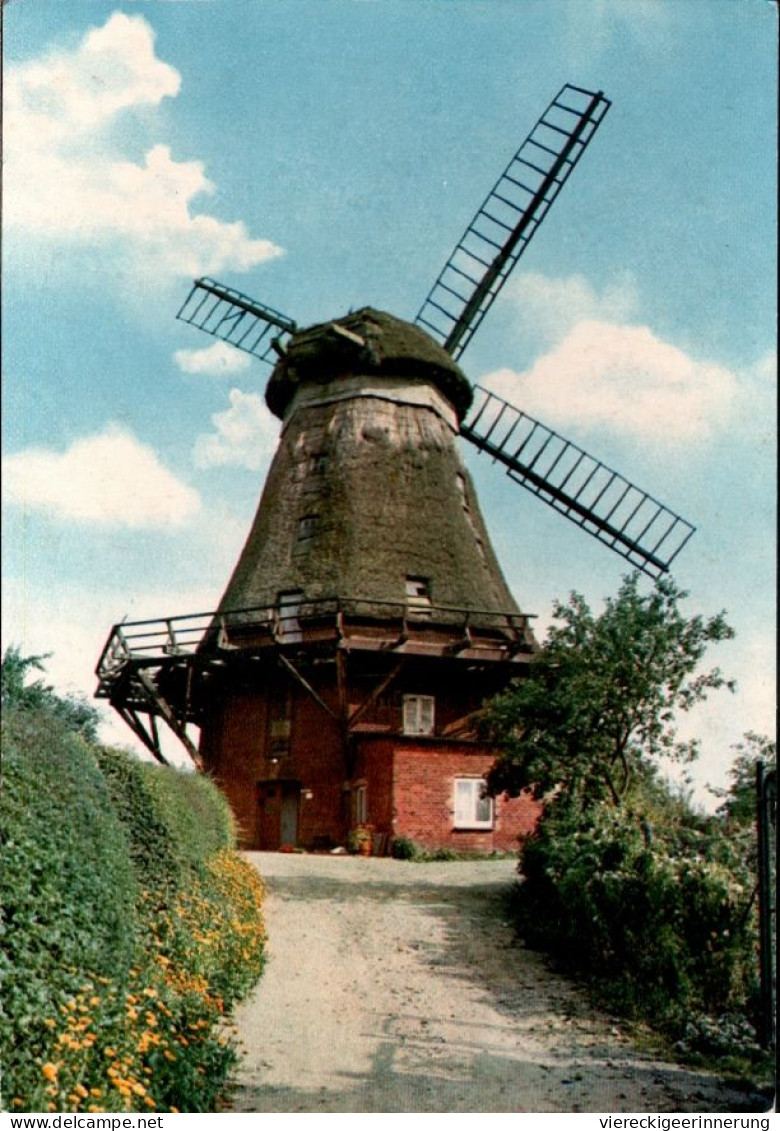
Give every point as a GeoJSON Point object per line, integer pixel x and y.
{"type": "Point", "coordinates": [327, 154]}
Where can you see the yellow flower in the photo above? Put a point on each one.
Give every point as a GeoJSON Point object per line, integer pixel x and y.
{"type": "Point", "coordinates": [139, 1089]}
{"type": "Point", "coordinates": [50, 1070]}
{"type": "Point", "coordinates": [81, 1090]}
{"type": "Point", "coordinates": [96, 1092]}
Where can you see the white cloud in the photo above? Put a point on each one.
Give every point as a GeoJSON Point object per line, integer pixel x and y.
{"type": "Point", "coordinates": [551, 307]}
{"type": "Point", "coordinates": [213, 361]}
{"type": "Point", "coordinates": [68, 172]}
{"type": "Point", "coordinates": [623, 378]}
{"type": "Point", "coordinates": [65, 94]}
{"type": "Point", "coordinates": [246, 435]}
{"type": "Point", "coordinates": [109, 478]}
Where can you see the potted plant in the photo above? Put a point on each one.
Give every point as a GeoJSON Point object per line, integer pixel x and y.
{"type": "Point", "coordinates": [360, 839]}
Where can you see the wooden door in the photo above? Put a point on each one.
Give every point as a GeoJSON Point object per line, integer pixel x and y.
{"type": "Point", "coordinates": [289, 815]}
{"type": "Point", "coordinates": [277, 814]}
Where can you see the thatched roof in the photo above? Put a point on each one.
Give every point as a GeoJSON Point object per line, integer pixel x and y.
{"type": "Point", "coordinates": [366, 341]}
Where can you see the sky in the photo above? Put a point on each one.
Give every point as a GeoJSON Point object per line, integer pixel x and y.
{"type": "Point", "coordinates": [322, 155]}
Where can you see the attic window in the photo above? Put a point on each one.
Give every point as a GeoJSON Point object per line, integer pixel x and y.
{"type": "Point", "coordinates": [418, 596]}
{"type": "Point", "coordinates": [317, 463]}
{"type": "Point", "coordinates": [307, 527]}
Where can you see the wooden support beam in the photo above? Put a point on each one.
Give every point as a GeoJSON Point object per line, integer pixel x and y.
{"type": "Point", "coordinates": [150, 738]}
{"type": "Point", "coordinates": [369, 701]}
{"type": "Point", "coordinates": [307, 686]}
{"type": "Point", "coordinates": [341, 685]}
{"type": "Point", "coordinates": [165, 712]}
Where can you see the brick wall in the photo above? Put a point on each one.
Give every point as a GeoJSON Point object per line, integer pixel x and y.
{"type": "Point", "coordinates": [421, 797]}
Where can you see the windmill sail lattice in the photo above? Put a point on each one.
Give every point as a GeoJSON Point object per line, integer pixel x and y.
{"type": "Point", "coordinates": [505, 224]}
{"type": "Point", "coordinates": [622, 516]}
{"type": "Point", "coordinates": [592, 495]}
{"type": "Point", "coordinates": [235, 318]}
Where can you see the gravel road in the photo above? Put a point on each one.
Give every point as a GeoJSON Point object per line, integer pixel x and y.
{"type": "Point", "coordinates": [398, 987]}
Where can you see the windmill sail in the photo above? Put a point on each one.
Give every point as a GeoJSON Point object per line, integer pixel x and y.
{"type": "Point", "coordinates": [589, 493]}
{"type": "Point", "coordinates": [235, 318]}
{"type": "Point", "coordinates": [504, 225]}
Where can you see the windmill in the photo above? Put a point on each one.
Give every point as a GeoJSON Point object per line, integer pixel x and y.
{"type": "Point", "coordinates": [367, 618]}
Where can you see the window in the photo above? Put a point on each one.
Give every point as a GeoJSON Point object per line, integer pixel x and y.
{"type": "Point", "coordinates": [419, 714]}
{"type": "Point", "coordinates": [418, 596]}
{"type": "Point", "coordinates": [307, 526]}
{"type": "Point", "coordinates": [473, 810]}
{"type": "Point", "coordinates": [317, 464]}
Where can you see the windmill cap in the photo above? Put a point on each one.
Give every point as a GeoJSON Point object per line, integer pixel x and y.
{"type": "Point", "coordinates": [366, 341]}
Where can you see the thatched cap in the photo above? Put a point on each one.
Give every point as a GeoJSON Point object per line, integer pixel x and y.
{"type": "Point", "coordinates": [367, 341]}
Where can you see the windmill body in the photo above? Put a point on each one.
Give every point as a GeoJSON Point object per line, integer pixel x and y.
{"type": "Point", "coordinates": [367, 618]}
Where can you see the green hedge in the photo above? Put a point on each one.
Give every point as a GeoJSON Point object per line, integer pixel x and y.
{"type": "Point", "coordinates": [130, 927]}
{"type": "Point", "coordinates": [67, 885]}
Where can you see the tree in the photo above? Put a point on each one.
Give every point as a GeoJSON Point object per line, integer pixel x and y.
{"type": "Point", "coordinates": [602, 695]}
{"type": "Point", "coordinates": [17, 692]}
{"type": "Point", "coordinates": [738, 805]}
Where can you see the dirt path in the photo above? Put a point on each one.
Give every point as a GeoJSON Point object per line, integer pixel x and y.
{"type": "Point", "coordinates": [396, 987]}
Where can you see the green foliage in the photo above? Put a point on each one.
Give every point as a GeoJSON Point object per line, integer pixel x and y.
{"type": "Point", "coordinates": [131, 927]}
{"type": "Point", "coordinates": [601, 694]}
{"type": "Point", "coordinates": [73, 710]}
{"type": "Point", "coordinates": [403, 848]}
{"type": "Point", "coordinates": [738, 805]}
{"type": "Point", "coordinates": [622, 880]}
{"type": "Point", "coordinates": [659, 919]}
{"type": "Point", "coordinates": [67, 887]}
{"type": "Point", "coordinates": [174, 820]}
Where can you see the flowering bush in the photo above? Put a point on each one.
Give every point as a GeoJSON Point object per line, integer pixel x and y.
{"type": "Point", "coordinates": [132, 927]}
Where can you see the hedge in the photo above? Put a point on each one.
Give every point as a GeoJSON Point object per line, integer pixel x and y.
{"type": "Point", "coordinates": [130, 928]}
{"type": "Point", "coordinates": [662, 925]}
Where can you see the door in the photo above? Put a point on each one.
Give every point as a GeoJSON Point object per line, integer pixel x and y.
{"type": "Point", "coordinates": [289, 815]}
{"type": "Point", "coordinates": [277, 814]}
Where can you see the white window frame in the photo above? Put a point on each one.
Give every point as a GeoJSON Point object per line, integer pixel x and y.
{"type": "Point", "coordinates": [419, 714]}
{"type": "Point", "coordinates": [468, 799]}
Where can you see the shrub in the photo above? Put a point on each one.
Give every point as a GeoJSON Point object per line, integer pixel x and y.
{"type": "Point", "coordinates": [660, 923]}
{"type": "Point", "coordinates": [134, 923]}
{"type": "Point", "coordinates": [67, 886]}
{"type": "Point", "coordinates": [403, 848]}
